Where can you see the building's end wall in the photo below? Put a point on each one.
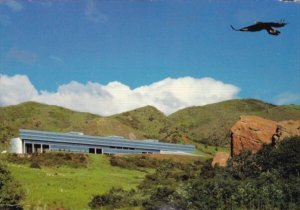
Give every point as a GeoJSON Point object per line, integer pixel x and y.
{"type": "Point", "coordinates": [16, 146]}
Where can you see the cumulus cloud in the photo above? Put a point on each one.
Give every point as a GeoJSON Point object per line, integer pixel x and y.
{"type": "Point", "coordinates": [287, 98]}
{"type": "Point", "coordinates": [93, 14]}
{"type": "Point", "coordinates": [15, 89]}
{"type": "Point", "coordinates": [14, 5]}
{"type": "Point", "coordinates": [168, 95]}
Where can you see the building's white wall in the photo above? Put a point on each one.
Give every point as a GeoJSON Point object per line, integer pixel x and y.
{"type": "Point", "coordinates": [174, 152]}
{"type": "Point", "coordinates": [16, 146]}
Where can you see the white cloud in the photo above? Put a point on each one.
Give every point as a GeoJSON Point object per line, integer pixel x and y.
{"type": "Point", "coordinates": [93, 14]}
{"type": "Point", "coordinates": [287, 98]}
{"type": "Point", "coordinates": [12, 4]}
{"type": "Point", "coordinates": [15, 89]}
{"type": "Point", "coordinates": [167, 95]}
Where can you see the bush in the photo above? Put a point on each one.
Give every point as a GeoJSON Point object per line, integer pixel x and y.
{"type": "Point", "coordinates": [11, 193]}
{"type": "Point", "coordinates": [243, 166]}
{"type": "Point", "coordinates": [51, 159]}
{"type": "Point", "coordinates": [268, 180]}
{"type": "Point", "coordinates": [283, 158]}
{"type": "Point", "coordinates": [268, 191]}
{"type": "Point", "coordinates": [165, 198]}
{"type": "Point", "coordinates": [35, 165]}
{"type": "Point", "coordinates": [135, 162]}
{"type": "Point", "coordinates": [115, 198]}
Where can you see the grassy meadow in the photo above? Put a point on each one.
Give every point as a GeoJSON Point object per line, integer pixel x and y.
{"type": "Point", "coordinates": [69, 187]}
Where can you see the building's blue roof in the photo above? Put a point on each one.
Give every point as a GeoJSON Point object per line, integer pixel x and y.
{"type": "Point", "coordinates": [78, 138]}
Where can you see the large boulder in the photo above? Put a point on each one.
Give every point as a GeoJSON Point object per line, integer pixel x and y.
{"type": "Point", "coordinates": [220, 159]}
{"type": "Point", "coordinates": [252, 132]}
{"type": "Point", "coordinates": [287, 129]}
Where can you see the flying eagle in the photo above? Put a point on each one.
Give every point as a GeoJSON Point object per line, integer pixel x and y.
{"type": "Point", "coordinates": [268, 26]}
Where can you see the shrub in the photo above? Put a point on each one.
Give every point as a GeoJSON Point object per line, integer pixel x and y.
{"type": "Point", "coordinates": [35, 165]}
{"type": "Point", "coordinates": [283, 158]}
{"type": "Point", "coordinates": [165, 198]}
{"type": "Point", "coordinates": [135, 162]}
{"type": "Point", "coordinates": [11, 193]}
{"type": "Point", "coordinates": [267, 180]}
{"type": "Point", "coordinates": [114, 198]}
{"type": "Point", "coordinates": [51, 159]}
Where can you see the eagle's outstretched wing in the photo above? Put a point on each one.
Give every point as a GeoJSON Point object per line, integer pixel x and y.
{"type": "Point", "coordinates": [251, 28]}
{"type": "Point", "coordinates": [258, 26]}
{"type": "Point", "coordinates": [276, 25]}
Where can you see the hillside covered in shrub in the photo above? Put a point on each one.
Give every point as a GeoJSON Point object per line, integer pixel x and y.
{"type": "Point", "coordinates": [267, 180]}
{"type": "Point", "coordinates": [209, 124]}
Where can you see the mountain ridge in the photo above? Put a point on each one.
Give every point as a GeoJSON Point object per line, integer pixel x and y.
{"type": "Point", "coordinates": [209, 124]}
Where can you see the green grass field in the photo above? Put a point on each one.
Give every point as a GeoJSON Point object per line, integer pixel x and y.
{"type": "Point", "coordinates": [71, 188]}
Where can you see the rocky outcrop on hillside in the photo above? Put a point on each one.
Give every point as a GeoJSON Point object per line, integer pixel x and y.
{"type": "Point", "coordinates": [286, 129]}
{"type": "Point", "coordinates": [220, 159]}
{"type": "Point", "coordinates": [251, 132]}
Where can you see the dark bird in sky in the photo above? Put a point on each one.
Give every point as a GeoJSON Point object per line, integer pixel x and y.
{"type": "Point", "coordinates": [268, 26]}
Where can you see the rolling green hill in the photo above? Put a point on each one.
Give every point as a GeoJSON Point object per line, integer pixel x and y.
{"type": "Point", "coordinates": [151, 122]}
{"type": "Point", "coordinates": [32, 115]}
{"type": "Point", "coordinates": [209, 124]}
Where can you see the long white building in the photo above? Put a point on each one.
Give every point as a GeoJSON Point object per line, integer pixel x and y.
{"type": "Point", "coordinates": [33, 141]}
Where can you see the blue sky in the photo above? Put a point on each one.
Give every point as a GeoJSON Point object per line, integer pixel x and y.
{"type": "Point", "coordinates": [140, 43]}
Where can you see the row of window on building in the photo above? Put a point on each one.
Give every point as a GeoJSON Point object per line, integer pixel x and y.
{"type": "Point", "coordinates": [43, 148]}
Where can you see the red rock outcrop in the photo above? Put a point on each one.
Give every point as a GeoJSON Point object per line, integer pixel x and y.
{"type": "Point", "coordinates": [251, 132]}
{"type": "Point", "coordinates": [220, 159]}
{"type": "Point", "coordinates": [286, 129]}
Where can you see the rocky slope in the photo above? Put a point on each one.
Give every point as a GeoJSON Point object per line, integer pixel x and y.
{"type": "Point", "coordinates": [252, 132]}
{"type": "Point", "coordinates": [220, 159]}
